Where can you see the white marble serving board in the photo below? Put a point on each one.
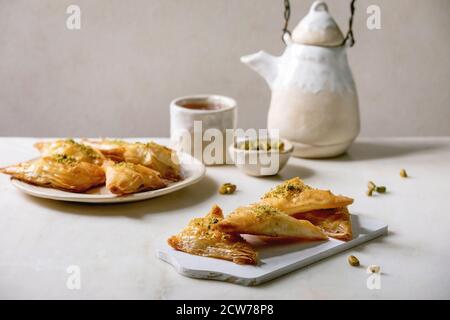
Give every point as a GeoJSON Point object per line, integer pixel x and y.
{"type": "Point", "coordinates": [275, 260]}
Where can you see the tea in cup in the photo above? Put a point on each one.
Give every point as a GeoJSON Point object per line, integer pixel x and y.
{"type": "Point", "coordinates": [203, 126]}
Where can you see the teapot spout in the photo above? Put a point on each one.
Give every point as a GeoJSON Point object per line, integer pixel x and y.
{"type": "Point", "coordinates": [264, 64]}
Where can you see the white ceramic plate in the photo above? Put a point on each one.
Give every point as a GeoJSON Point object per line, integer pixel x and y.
{"type": "Point", "coordinates": [275, 260]}
{"type": "Point", "coordinates": [192, 170]}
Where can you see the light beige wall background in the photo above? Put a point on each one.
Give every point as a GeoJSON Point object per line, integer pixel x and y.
{"type": "Point", "coordinates": [117, 75]}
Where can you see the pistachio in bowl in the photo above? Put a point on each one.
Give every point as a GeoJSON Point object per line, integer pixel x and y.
{"type": "Point", "coordinates": [261, 157]}
{"type": "Point", "coordinates": [257, 145]}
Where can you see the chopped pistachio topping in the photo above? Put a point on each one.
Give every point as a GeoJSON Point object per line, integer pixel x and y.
{"type": "Point", "coordinates": [65, 159]}
{"type": "Point", "coordinates": [124, 164]}
{"type": "Point", "coordinates": [212, 221]}
{"type": "Point", "coordinates": [88, 151]}
{"type": "Point", "coordinates": [403, 173]}
{"type": "Point", "coordinates": [116, 141]}
{"type": "Point", "coordinates": [264, 210]}
{"type": "Point", "coordinates": [285, 189]}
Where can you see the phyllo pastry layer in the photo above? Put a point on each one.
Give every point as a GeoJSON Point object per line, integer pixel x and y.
{"type": "Point", "coordinates": [151, 155]}
{"type": "Point", "coordinates": [70, 148]}
{"type": "Point", "coordinates": [265, 220]}
{"type": "Point", "coordinates": [59, 171]}
{"type": "Point", "coordinates": [125, 178]}
{"type": "Point", "coordinates": [293, 196]}
{"type": "Point", "coordinates": [201, 238]}
{"type": "Point", "coordinates": [335, 223]}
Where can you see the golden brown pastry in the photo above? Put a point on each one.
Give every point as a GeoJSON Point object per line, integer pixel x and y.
{"type": "Point", "coordinates": [335, 223]}
{"type": "Point", "coordinates": [125, 178]}
{"type": "Point", "coordinates": [265, 220]}
{"type": "Point", "coordinates": [111, 149]}
{"type": "Point", "coordinates": [59, 171]}
{"type": "Point", "coordinates": [70, 148]}
{"type": "Point", "coordinates": [165, 160]}
{"type": "Point", "coordinates": [202, 239]}
{"type": "Point", "coordinates": [151, 155]}
{"type": "Point", "coordinates": [293, 196]}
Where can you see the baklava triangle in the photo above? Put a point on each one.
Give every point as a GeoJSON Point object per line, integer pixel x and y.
{"type": "Point", "coordinates": [58, 171]}
{"type": "Point", "coordinates": [293, 196]}
{"type": "Point", "coordinates": [70, 148]}
{"type": "Point", "coordinates": [265, 220]}
{"type": "Point", "coordinates": [201, 238]}
{"type": "Point", "coordinates": [151, 155]}
{"type": "Point", "coordinates": [126, 178]}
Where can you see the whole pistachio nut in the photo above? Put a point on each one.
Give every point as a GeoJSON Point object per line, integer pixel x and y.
{"type": "Point", "coordinates": [227, 188]}
{"type": "Point", "coordinates": [403, 173]}
{"type": "Point", "coordinates": [353, 261]}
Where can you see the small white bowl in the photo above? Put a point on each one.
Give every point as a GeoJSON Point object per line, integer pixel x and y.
{"type": "Point", "coordinates": [260, 163]}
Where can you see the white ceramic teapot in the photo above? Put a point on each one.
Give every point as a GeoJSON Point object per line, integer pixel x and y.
{"type": "Point", "coordinates": [314, 101]}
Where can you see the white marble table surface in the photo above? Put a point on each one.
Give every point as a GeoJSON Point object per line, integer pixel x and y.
{"type": "Point", "coordinates": [114, 245]}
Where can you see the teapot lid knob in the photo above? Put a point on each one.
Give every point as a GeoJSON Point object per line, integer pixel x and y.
{"type": "Point", "coordinates": [318, 28]}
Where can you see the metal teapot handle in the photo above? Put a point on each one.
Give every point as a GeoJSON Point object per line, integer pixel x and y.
{"type": "Point", "coordinates": [286, 36]}
{"type": "Point", "coordinates": [349, 35]}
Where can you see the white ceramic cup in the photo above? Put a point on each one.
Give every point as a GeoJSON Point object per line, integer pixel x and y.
{"type": "Point", "coordinates": [203, 126]}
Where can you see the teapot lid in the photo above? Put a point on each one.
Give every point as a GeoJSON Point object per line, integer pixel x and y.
{"type": "Point", "coordinates": [318, 28]}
